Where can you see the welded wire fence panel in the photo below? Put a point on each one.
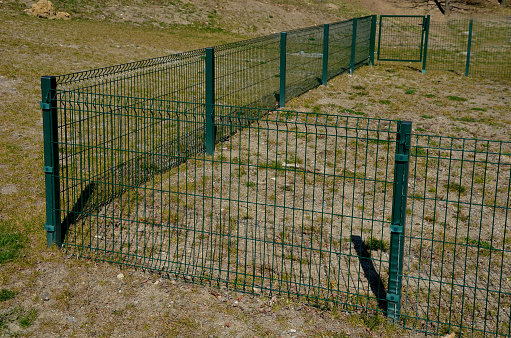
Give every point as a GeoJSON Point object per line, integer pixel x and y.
{"type": "Point", "coordinates": [401, 38]}
{"type": "Point", "coordinates": [457, 276]}
{"type": "Point", "coordinates": [292, 203]}
{"type": "Point", "coordinates": [448, 45]}
{"type": "Point", "coordinates": [304, 55]}
{"type": "Point", "coordinates": [363, 45]}
{"type": "Point", "coordinates": [173, 77]}
{"type": "Point", "coordinates": [339, 49]}
{"type": "Point", "coordinates": [491, 48]}
{"type": "Point", "coordinates": [109, 144]}
{"type": "Point", "coordinates": [247, 72]}
{"type": "Point", "coordinates": [94, 103]}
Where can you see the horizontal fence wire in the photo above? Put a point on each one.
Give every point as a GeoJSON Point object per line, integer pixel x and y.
{"type": "Point", "coordinates": [291, 203]}
{"type": "Point", "coordinates": [490, 46]}
{"type": "Point", "coordinates": [457, 276]}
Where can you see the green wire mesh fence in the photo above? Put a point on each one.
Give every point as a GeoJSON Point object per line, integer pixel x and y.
{"type": "Point", "coordinates": [477, 46]}
{"type": "Point", "coordinates": [472, 47]}
{"type": "Point", "coordinates": [183, 165]}
{"type": "Point", "coordinates": [457, 276]}
{"type": "Point", "coordinates": [285, 205]}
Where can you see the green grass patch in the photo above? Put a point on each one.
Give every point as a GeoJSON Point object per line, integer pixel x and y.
{"type": "Point", "coordinates": [430, 96]}
{"type": "Point", "coordinates": [351, 111]}
{"type": "Point", "coordinates": [478, 109]}
{"type": "Point", "coordinates": [418, 151]}
{"type": "Point", "coordinates": [455, 187]}
{"type": "Point", "coordinates": [6, 295]}
{"type": "Point", "coordinates": [456, 98]}
{"type": "Point", "coordinates": [426, 117]}
{"type": "Point", "coordinates": [28, 318]}
{"type": "Point", "coordinates": [479, 243]}
{"type": "Point", "coordinates": [376, 244]}
{"type": "Point", "coordinates": [466, 119]}
{"type": "Point", "coordinates": [410, 91]}
{"type": "Point", "coordinates": [277, 165]}
{"type": "Point", "coordinates": [10, 244]}
{"type": "Point", "coordinates": [384, 101]}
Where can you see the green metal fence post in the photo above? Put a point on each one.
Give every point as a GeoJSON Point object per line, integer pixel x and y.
{"type": "Point", "coordinates": [397, 229]}
{"type": "Point", "coordinates": [326, 33]}
{"type": "Point", "coordinates": [426, 41]}
{"type": "Point", "coordinates": [353, 46]}
{"type": "Point", "coordinates": [210, 101]}
{"type": "Point", "coordinates": [469, 46]}
{"type": "Point", "coordinates": [283, 59]}
{"type": "Point", "coordinates": [51, 160]}
{"type": "Point", "coordinates": [372, 43]}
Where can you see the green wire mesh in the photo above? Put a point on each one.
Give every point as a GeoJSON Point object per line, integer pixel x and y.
{"type": "Point", "coordinates": [490, 47]}
{"type": "Point", "coordinates": [285, 205]}
{"type": "Point", "coordinates": [401, 38]}
{"type": "Point", "coordinates": [458, 245]}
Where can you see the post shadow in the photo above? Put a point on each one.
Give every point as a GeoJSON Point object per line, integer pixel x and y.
{"type": "Point", "coordinates": [78, 208]}
{"type": "Point", "coordinates": [370, 273]}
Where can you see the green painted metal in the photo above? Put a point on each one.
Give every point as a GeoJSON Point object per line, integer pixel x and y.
{"type": "Point", "coordinates": [426, 42]}
{"type": "Point", "coordinates": [353, 45]}
{"type": "Point", "coordinates": [397, 226]}
{"type": "Point", "coordinates": [210, 101]}
{"type": "Point", "coordinates": [469, 46]}
{"type": "Point", "coordinates": [326, 34]}
{"type": "Point", "coordinates": [283, 72]}
{"type": "Point", "coordinates": [372, 42]}
{"type": "Point", "coordinates": [401, 38]}
{"type": "Point", "coordinates": [51, 160]}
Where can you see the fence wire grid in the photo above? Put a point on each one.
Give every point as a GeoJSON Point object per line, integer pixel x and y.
{"type": "Point", "coordinates": [189, 165]}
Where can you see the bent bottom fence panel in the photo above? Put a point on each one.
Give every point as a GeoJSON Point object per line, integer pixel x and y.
{"type": "Point", "coordinates": [293, 203]}
{"type": "Point", "coordinates": [457, 276]}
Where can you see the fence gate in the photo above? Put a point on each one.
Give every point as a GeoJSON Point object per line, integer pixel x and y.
{"type": "Point", "coordinates": [403, 38]}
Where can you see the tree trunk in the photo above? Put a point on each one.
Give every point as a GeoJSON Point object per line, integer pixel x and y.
{"type": "Point", "coordinates": [447, 10]}
{"type": "Point", "coordinates": [504, 3]}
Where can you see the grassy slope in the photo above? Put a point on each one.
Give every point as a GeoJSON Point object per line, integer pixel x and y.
{"type": "Point", "coordinates": [33, 47]}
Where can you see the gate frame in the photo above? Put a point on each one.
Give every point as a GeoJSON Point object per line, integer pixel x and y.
{"type": "Point", "coordinates": [424, 38]}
